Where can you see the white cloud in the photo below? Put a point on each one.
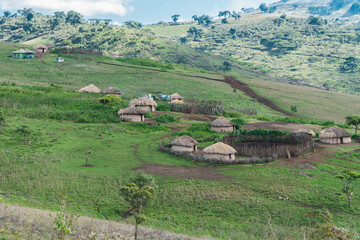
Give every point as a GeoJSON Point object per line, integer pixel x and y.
{"type": "Point", "coordinates": [238, 4]}
{"type": "Point", "coordinates": [86, 7]}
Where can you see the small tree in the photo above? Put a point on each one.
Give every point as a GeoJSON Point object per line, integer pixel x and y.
{"type": "Point", "coordinates": [175, 17]}
{"type": "Point", "coordinates": [87, 158]}
{"type": "Point", "coordinates": [347, 178]}
{"type": "Point", "coordinates": [64, 220]}
{"type": "Point", "coordinates": [30, 16]}
{"type": "Point", "coordinates": [294, 108]}
{"type": "Point", "coordinates": [353, 121]}
{"type": "Point", "coordinates": [111, 100]}
{"type": "Point", "coordinates": [7, 14]}
{"type": "Point", "coordinates": [137, 192]}
{"type": "Point", "coordinates": [24, 130]}
{"type": "Point", "coordinates": [263, 7]}
{"type": "Point", "coordinates": [2, 121]}
{"type": "Point", "coordinates": [224, 21]}
{"type": "Point", "coordinates": [227, 67]}
{"type": "Point", "coordinates": [351, 64]}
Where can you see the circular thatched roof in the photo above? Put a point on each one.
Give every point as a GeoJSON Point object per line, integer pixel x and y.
{"type": "Point", "coordinates": [143, 101]}
{"type": "Point", "coordinates": [222, 122]}
{"type": "Point", "coordinates": [334, 132]}
{"type": "Point", "coordinates": [40, 46]}
{"type": "Point", "coordinates": [303, 132]}
{"type": "Point", "coordinates": [219, 148]}
{"type": "Point", "coordinates": [131, 111]}
{"type": "Point", "coordinates": [90, 89]}
{"type": "Point", "coordinates": [111, 90]}
{"type": "Point", "coordinates": [184, 141]}
{"type": "Point", "coordinates": [177, 96]}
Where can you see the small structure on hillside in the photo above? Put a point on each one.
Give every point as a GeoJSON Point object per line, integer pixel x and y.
{"type": "Point", "coordinates": [90, 89]}
{"type": "Point", "coordinates": [219, 152]}
{"type": "Point", "coordinates": [177, 98]}
{"type": "Point", "coordinates": [222, 125]}
{"type": "Point", "coordinates": [59, 59]}
{"type": "Point", "coordinates": [184, 144]}
{"type": "Point", "coordinates": [144, 104]}
{"type": "Point", "coordinates": [23, 54]}
{"type": "Point", "coordinates": [335, 135]}
{"type": "Point", "coordinates": [112, 91]}
{"type": "Point", "coordinates": [300, 132]}
{"type": "Point", "coordinates": [132, 114]}
{"type": "Point", "coordinates": [40, 49]}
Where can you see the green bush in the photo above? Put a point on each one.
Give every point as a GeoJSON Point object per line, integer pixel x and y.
{"type": "Point", "coordinates": [239, 122]}
{"type": "Point", "coordinates": [163, 107]}
{"type": "Point", "coordinates": [232, 114]}
{"type": "Point", "coordinates": [166, 118]}
{"type": "Point", "coordinates": [149, 115]}
{"type": "Point", "coordinates": [146, 128]}
{"type": "Point", "coordinates": [201, 132]}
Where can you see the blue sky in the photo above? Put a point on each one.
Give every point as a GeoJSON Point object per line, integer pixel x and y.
{"type": "Point", "coordinates": [145, 11]}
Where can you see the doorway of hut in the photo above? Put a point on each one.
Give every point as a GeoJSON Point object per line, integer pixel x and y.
{"type": "Point", "coordinates": [342, 140]}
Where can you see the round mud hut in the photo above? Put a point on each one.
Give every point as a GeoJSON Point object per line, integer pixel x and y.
{"type": "Point", "coordinates": [300, 132]}
{"type": "Point", "coordinates": [132, 114]}
{"type": "Point", "coordinates": [40, 49]}
{"type": "Point", "coordinates": [144, 104]}
{"type": "Point", "coordinates": [90, 89]}
{"type": "Point", "coordinates": [177, 98]}
{"type": "Point", "coordinates": [184, 144]}
{"type": "Point", "coordinates": [219, 152]}
{"type": "Point", "coordinates": [335, 135]}
{"type": "Point", "coordinates": [111, 91]}
{"type": "Point", "coordinates": [222, 125]}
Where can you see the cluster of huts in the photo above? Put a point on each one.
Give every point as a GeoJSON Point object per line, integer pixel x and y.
{"type": "Point", "coordinates": [94, 89]}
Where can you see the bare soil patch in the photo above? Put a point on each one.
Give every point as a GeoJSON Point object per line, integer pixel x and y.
{"type": "Point", "coordinates": [183, 172]}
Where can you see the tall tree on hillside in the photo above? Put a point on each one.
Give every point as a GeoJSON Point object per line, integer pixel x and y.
{"type": "Point", "coordinates": [133, 24]}
{"type": "Point", "coordinates": [348, 177]}
{"type": "Point", "coordinates": [263, 7]}
{"type": "Point", "coordinates": [195, 18]}
{"type": "Point", "coordinates": [195, 33]}
{"type": "Point", "coordinates": [353, 121]}
{"type": "Point", "coordinates": [74, 18]}
{"type": "Point", "coordinates": [59, 14]}
{"type": "Point", "coordinates": [2, 121]}
{"type": "Point", "coordinates": [175, 17]}
{"type": "Point", "coordinates": [53, 23]}
{"type": "Point", "coordinates": [30, 16]}
{"type": "Point", "coordinates": [7, 14]}
{"type": "Point", "coordinates": [224, 21]}
{"type": "Point", "coordinates": [25, 11]}
{"type": "Point", "coordinates": [235, 15]}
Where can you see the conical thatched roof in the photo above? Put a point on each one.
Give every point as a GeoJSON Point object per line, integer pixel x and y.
{"type": "Point", "coordinates": [176, 96]}
{"type": "Point", "coordinates": [90, 89]}
{"type": "Point", "coordinates": [177, 101]}
{"type": "Point", "coordinates": [185, 141]}
{"type": "Point", "coordinates": [111, 90]}
{"type": "Point", "coordinates": [219, 148]}
{"type": "Point", "coordinates": [303, 131]}
{"type": "Point", "coordinates": [143, 101]}
{"type": "Point", "coordinates": [222, 122]}
{"type": "Point", "coordinates": [131, 111]}
{"type": "Point", "coordinates": [334, 132]}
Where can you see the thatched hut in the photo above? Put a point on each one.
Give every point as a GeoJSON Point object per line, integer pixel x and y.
{"type": "Point", "coordinates": [300, 132]}
{"type": "Point", "coordinates": [111, 90]}
{"type": "Point", "coordinates": [40, 49]}
{"type": "Point", "coordinates": [335, 135]}
{"type": "Point", "coordinates": [184, 144]}
{"type": "Point", "coordinates": [132, 114]}
{"type": "Point", "coordinates": [220, 152]}
{"type": "Point", "coordinates": [144, 104]}
{"type": "Point", "coordinates": [177, 98]}
{"type": "Point", "coordinates": [222, 125]}
{"type": "Point", "coordinates": [90, 89]}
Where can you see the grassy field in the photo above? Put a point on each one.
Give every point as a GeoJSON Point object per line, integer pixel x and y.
{"type": "Point", "coordinates": [243, 203]}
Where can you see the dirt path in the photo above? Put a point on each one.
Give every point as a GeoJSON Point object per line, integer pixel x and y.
{"type": "Point", "coordinates": [232, 81]}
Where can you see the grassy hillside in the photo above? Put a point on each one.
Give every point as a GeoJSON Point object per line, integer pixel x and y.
{"type": "Point", "coordinates": [290, 49]}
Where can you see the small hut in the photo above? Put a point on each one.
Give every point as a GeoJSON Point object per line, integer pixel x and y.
{"type": "Point", "coordinates": [222, 125]}
{"type": "Point", "coordinates": [300, 132]}
{"type": "Point", "coordinates": [40, 49]}
{"type": "Point", "coordinates": [112, 91]}
{"type": "Point", "coordinates": [335, 135]}
{"type": "Point", "coordinates": [132, 114]}
{"type": "Point", "coordinates": [220, 152]}
{"type": "Point", "coordinates": [177, 98]}
{"type": "Point", "coordinates": [184, 144]}
{"type": "Point", "coordinates": [90, 89]}
{"type": "Point", "coordinates": [144, 104]}
{"type": "Point", "coordinates": [23, 54]}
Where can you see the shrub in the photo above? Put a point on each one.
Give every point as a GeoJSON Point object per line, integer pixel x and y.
{"type": "Point", "coordinates": [163, 107]}
{"type": "Point", "coordinates": [166, 118]}
{"type": "Point", "coordinates": [239, 122]}
{"type": "Point", "coordinates": [232, 114]}
{"type": "Point", "coordinates": [149, 115]}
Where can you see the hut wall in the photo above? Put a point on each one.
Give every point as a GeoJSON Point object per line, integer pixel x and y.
{"type": "Point", "coordinates": [223, 129]}
{"type": "Point", "coordinates": [335, 140]}
{"type": "Point", "coordinates": [132, 118]}
{"type": "Point", "coordinates": [219, 157]}
{"type": "Point", "coordinates": [179, 149]}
